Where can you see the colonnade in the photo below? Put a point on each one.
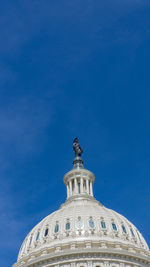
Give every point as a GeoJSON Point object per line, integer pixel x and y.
{"type": "Point", "coordinates": [79, 186]}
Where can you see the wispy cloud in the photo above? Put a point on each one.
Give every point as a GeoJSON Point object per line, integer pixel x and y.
{"type": "Point", "coordinates": [23, 21]}
{"type": "Point", "coordinates": [74, 30]}
{"type": "Point", "coordinates": [22, 125]}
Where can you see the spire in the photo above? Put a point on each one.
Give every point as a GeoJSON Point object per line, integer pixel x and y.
{"type": "Point", "coordinates": [77, 162]}
{"type": "Point", "coordinates": [79, 181]}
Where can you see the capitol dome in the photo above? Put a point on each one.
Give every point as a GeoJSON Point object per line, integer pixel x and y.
{"type": "Point", "coordinates": [82, 232]}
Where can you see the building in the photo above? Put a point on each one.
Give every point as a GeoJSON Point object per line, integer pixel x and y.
{"type": "Point", "coordinates": [82, 232]}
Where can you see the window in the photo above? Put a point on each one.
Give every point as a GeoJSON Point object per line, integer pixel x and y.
{"type": "Point", "coordinates": [132, 233]}
{"type": "Point", "coordinates": [46, 232]}
{"type": "Point", "coordinates": [91, 223]}
{"type": "Point", "coordinates": [37, 236]}
{"type": "Point", "coordinates": [84, 185]}
{"type": "Point", "coordinates": [73, 186]}
{"type": "Point", "coordinates": [103, 224]}
{"type": "Point", "coordinates": [138, 235]}
{"type": "Point", "coordinates": [79, 188]}
{"type": "Point", "coordinates": [21, 247]}
{"type": "Point", "coordinates": [79, 223]}
{"type": "Point", "coordinates": [25, 243]}
{"type": "Point", "coordinates": [56, 228]}
{"type": "Point", "coordinates": [124, 229]}
{"type": "Point", "coordinates": [114, 226]}
{"type": "Point", "coordinates": [67, 225]}
{"type": "Point", "coordinates": [30, 241]}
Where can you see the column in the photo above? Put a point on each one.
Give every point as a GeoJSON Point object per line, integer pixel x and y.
{"type": "Point", "coordinates": [70, 187]}
{"type": "Point", "coordinates": [106, 263]}
{"type": "Point", "coordinates": [67, 190]}
{"type": "Point", "coordinates": [81, 184]}
{"type": "Point", "coordinates": [91, 189]}
{"type": "Point", "coordinates": [89, 263]}
{"type": "Point", "coordinates": [87, 186]}
{"type": "Point", "coordinates": [75, 186]}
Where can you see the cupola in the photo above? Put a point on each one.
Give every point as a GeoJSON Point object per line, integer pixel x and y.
{"type": "Point", "coordinates": [79, 181]}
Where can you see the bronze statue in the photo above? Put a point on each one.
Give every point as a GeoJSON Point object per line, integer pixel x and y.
{"type": "Point", "coordinates": [77, 148]}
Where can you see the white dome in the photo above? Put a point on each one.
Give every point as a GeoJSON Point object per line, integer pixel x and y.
{"type": "Point", "coordinates": [83, 228]}
{"type": "Point", "coordinates": [82, 220]}
{"type": "Point", "coordinates": [86, 218]}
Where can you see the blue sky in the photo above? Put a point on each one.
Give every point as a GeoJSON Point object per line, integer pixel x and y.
{"type": "Point", "coordinates": [72, 68]}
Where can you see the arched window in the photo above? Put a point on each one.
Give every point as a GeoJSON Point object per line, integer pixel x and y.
{"type": "Point", "coordinates": [79, 223]}
{"type": "Point", "coordinates": [84, 185]}
{"type": "Point", "coordinates": [103, 224]}
{"type": "Point", "coordinates": [79, 187]}
{"type": "Point", "coordinates": [114, 226]}
{"type": "Point", "coordinates": [67, 225]}
{"type": "Point", "coordinates": [124, 229]}
{"type": "Point", "coordinates": [56, 228]}
{"type": "Point", "coordinates": [30, 241]}
{"type": "Point", "coordinates": [73, 186]}
{"type": "Point", "coordinates": [46, 232]}
{"type": "Point", "coordinates": [91, 223]}
{"type": "Point", "coordinates": [132, 233]}
{"type": "Point", "coordinates": [138, 236]}
{"type": "Point", "coordinates": [37, 236]}
{"type": "Point", "coordinates": [21, 247]}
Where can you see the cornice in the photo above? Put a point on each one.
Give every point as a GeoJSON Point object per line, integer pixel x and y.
{"type": "Point", "coordinates": [88, 254]}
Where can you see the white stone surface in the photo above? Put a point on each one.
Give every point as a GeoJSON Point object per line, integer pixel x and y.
{"type": "Point", "coordinates": [82, 245]}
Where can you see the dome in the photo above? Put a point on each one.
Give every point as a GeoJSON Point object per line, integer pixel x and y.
{"type": "Point", "coordinates": [83, 220]}
{"type": "Point", "coordinates": [81, 224]}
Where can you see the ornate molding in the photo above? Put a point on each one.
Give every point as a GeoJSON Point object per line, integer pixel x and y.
{"type": "Point", "coordinates": [90, 255]}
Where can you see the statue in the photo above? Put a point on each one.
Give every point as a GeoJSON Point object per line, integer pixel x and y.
{"type": "Point", "coordinates": [77, 148]}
